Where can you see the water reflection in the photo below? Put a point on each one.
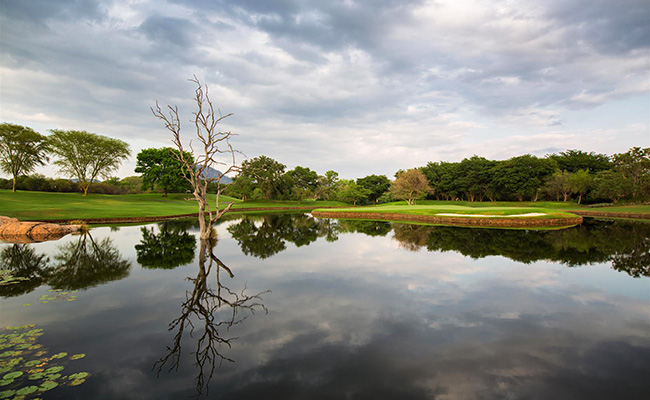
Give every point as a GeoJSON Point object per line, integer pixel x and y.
{"type": "Point", "coordinates": [625, 244]}
{"type": "Point", "coordinates": [210, 309]}
{"type": "Point", "coordinates": [76, 265]}
{"type": "Point", "coordinates": [171, 247]}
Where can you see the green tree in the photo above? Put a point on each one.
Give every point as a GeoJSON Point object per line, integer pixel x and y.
{"type": "Point", "coordinates": [612, 185]}
{"type": "Point", "coordinates": [576, 160]}
{"type": "Point", "coordinates": [410, 185]}
{"type": "Point", "coordinates": [328, 185]}
{"type": "Point", "coordinates": [86, 156]}
{"type": "Point", "coordinates": [472, 177]}
{"type": "Point", "coordinates": [241, 187]}
{"type": "Point", "coordinates": [350, 192]}
{"type": "Point", "coordinates": [162, 168]}
{"type": "Point", "coordinates": [635, 166]}
{"type": "Point", "coordinates": [303, 182]}
{"type": "Point", "coordinates": [266, 173]}
{"type": "Point", "coordinates": [21, 150]}
{"type": "Point", "coordinates": [558, 185]}
{"type": "Point", "coordinates": [581, 182]}
{"type": "Point", "coordinates": [376, 184]}
{"type": "Point", "coordinates": [521, 177]}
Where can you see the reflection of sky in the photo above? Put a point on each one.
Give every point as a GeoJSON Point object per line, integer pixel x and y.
{"type": "Point", "coordinates": [363, 318]}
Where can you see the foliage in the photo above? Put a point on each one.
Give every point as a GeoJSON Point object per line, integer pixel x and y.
{"type": "Point", "coordinates": [576, 160]}
{"type": "Point", "coordinates": [521, 176]}
{"type": "Point", "coordinates": [302, 181]}
{"type": "Point", "coordinates": [328, 185]}
{"type": "Point", "coordinates": [375, 184]}
{"type": "Point", "coordinates": [21, 150]}
{"type": "Point", "coordinates": [410, 185]}
{"type": "Point", "coordinates": [167, 249]}
{"type": "Point", "coordinates": [635, 167]}
{"type": "Point", "coordinates": [241, 187]}
{"type": "Point", "coordinates": [558, 185]}
{"type": "Point", "coordinates": [86, 156]}
{"type": "Point", "coordinates": [162, 168]}
{"type": "Point", "coordinates": [351, 192]}
{"type": "Point", "coordinates": [266, 173]}
{"type": "Point", "coordinates": [612, 185]}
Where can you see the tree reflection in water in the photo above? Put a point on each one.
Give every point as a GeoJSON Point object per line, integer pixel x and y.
{"type": "Point", "coordinates": [77, 265]}
{"type": "Point", "coordinates": [625, 244]}
{"type": "Point", "coordinates": [214, 308]}
{"type": "Point", "coordinates": [27, 269]}
{"type": "Point", "coordinates": [171, 247]}
{"type": "Point", "coordinates": [87, 263]}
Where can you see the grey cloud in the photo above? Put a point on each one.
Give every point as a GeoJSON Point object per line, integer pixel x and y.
{"type": "Point", "coordinates": [163, 30]}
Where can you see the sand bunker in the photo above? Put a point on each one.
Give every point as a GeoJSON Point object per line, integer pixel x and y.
{"type": "Point", "coordinates": [490, 216]}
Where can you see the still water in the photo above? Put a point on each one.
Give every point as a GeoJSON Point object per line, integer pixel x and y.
{"type": "Point", "coordinates": [291, 307]}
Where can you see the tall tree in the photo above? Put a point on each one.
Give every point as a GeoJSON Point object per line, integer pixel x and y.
{"type": "Point", "coordinates": [410, 185]}
{"type": "Point", "coordinates": [350, 192]}
{"type": "Point", "coordinates": [376, 184]}
{"type": "Point", "coordinates": [303, 182]}
{"type": "Point", "coordinates": [267, 174]}
{"type": "Point", "coordinates": [635, 166]}
{"type": "Point", "coordinates": [214, 144]}
{"type": "Point", "coordinates": [327, 185]}
{"type": "Point", "coordinates": [162, 168]}
{"type": "Point", "coordinates": [21, 150]}
{"type": "Point", "coordinates": [581, 182]}
{"type": "Point", "coordinates": [521, 176]}
{"type": "Point", "coordinates": [575, 160]}
{"type": "Point", "coordinates": [86, 156]}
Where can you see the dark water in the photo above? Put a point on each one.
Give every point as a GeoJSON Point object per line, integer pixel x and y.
{"type": "Point", "coordinates": [320, 309]}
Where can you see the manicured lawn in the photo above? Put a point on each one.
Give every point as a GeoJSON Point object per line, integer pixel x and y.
{"type": "Point", "coordinates": [455, 208]}
{"type": "Point", "coordinates": [28, 206]}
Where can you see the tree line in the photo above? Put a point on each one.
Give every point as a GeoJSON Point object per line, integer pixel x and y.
{"type": "Point", "coordinates": [569, 175]}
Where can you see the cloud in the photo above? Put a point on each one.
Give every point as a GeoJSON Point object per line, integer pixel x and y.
{"type": "Point", "coordinates": [348, 85]}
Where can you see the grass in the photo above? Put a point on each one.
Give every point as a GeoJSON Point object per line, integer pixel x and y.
{"type": "Point", "coordinates": [433, 208]}
{"type": "Point", "coordinates": [30, 206]}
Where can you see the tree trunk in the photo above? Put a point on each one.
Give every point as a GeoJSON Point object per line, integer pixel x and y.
{"type": "Point", "coordinates": [13, 189]}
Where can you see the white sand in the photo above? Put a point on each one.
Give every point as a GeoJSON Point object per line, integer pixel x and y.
{"type": "Point", "coordinates": [491, 216]}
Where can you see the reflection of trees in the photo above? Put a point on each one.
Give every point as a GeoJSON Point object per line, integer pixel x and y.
{"type": "Point", "coordinates": [171, 247]}
{"type": "Point", "coordinates": [370, 228]}
{"type": "Point", "coordinates": [21, 261]}
{"type": "Point", "coordinates": [412, 237]}
{"type": "Point", "coordinates": [87, 263]}
{"type": "Point", "coordinates": [265, 236]}
{"type": "Point", "coordinates": [214, 308]}
{"type": "Point", "coordinates": [625, 244]}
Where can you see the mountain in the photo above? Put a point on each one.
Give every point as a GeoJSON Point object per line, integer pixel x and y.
{"type": "Point", "coordinates": [214, 174]}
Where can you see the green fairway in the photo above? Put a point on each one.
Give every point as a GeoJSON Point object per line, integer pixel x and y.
{"type": "Point", "coordinates": [30, 206]}
{"type": "Point", "coordinates": [469, 209]}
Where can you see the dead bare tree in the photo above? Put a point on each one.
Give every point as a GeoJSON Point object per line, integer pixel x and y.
{"type": "Point", "coordinates": [216, 308]}
{"type": "Point", "coordinates": [214, 143]}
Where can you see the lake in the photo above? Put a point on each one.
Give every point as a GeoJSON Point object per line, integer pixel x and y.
{"type": "Point", "coordinates": [291, 307]}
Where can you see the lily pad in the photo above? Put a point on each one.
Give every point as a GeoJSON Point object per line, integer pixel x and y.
{"type": "Point", "coordinates": [27, 390]}
{"type": "Point", "coordinates": [77, 382]}
{"type": "Point", "coordinates": [59, 355]}
{"type": "Point", "coordinates": [54, 370]}
{"type": "Point", "coordinates": [32, 363]}
{"type": "Point", "coordinates": [77, 356]}
{"type": "Point", "coordinates": [48, 385]}
{"type": "Point", "coordinates": [79, 375]}
{"type": "Point", "coordinates": [38, 375]}
{"type": "Point", "coordinates": [12, 375]}
{"type": "Point", "coordinates": [7, 394]}
{"type": "Point", "coordinates": [53, 377]}
{"type": "Point", "coordinates": [5, 382]}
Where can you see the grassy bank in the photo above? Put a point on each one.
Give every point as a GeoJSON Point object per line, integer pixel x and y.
{"type": "Point", "coordinates": [37, 206]}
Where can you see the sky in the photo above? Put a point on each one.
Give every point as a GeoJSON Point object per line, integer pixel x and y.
{"type": "Point", "coordinates": [357, 86]}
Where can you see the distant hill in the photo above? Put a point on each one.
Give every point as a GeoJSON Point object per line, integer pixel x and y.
{"type": "Point", "coordinates": [214, 174]}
